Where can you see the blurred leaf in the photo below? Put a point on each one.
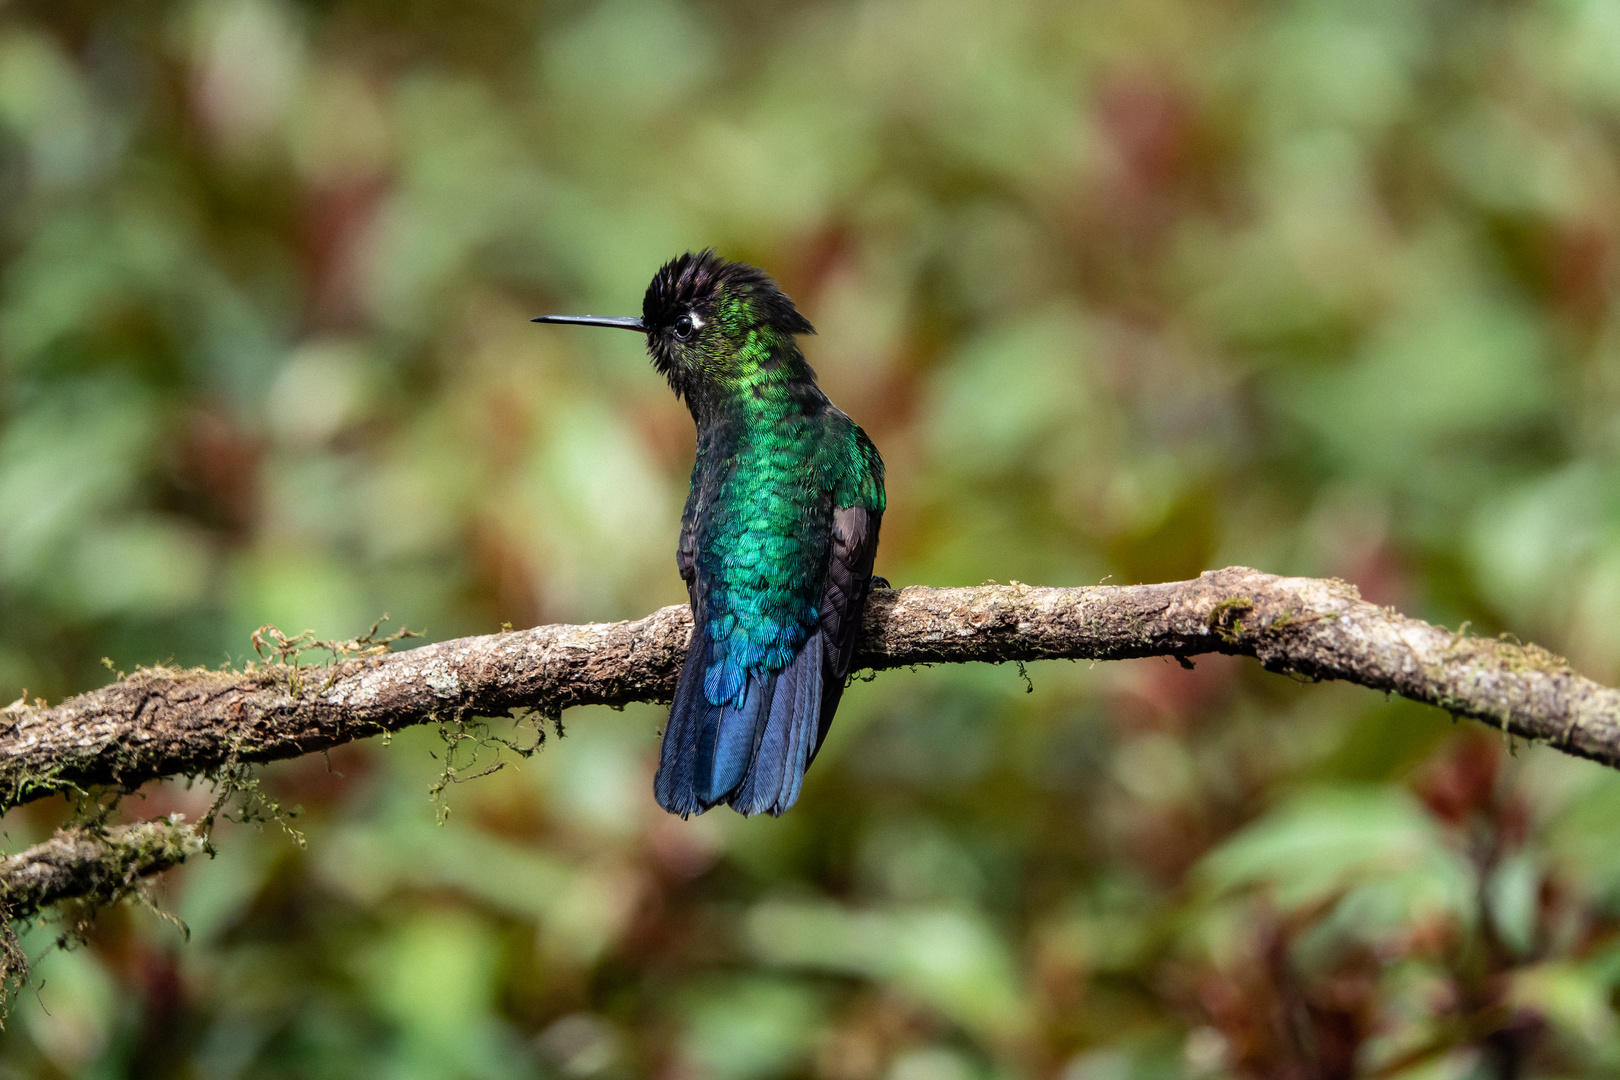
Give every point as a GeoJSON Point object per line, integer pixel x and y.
{"type": "Point", "coordinates": [1375, 846]}
{"type": "Point", "coordinates": [950, 959]}
{"type": "Point", "coordinates": [1570, 998]}
{"type": "Point", "coordinates": [749, 1028]}
{"type": "Point", "coordinates": [1466, 366]}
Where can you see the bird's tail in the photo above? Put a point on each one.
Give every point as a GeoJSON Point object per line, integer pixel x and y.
{"type": "Point", "coordinates": [750, 751]}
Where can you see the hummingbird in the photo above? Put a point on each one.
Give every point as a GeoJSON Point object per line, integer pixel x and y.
{"type": "Point", "coordinates": [777, 539]}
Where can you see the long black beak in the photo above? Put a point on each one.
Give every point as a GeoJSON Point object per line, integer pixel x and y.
{"type": "Point", "coordinates": [595, 320]}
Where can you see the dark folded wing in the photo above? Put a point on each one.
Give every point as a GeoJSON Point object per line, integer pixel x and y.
{"type": "Point", "coordinates": [686, 554]}
{"type": "Point", "coordinates": [849, 576]}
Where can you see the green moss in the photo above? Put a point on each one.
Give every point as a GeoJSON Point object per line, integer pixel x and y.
{"type": "Point", "coordinates": [1225, 618]}
{"type": "Point", "coordinates": [467, 738]}
{"type": "Point", "coordinates": [1530, 658]}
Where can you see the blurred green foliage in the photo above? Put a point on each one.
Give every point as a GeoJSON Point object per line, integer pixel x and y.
{"type": "Point", "coordinates": [1121, 290]}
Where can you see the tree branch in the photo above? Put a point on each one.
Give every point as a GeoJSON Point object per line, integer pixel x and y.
{"type": "Point", "coordinates": [101, 865]}
{"type": "Point", "coordinates": [166, 722]}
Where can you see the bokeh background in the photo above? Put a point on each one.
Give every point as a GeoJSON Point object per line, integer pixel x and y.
{"type": "Point", "coordinates": [1122, 291]}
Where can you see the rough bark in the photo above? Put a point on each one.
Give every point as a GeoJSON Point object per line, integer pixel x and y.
{"type": "Point", "coordinates": [98, 865]}
{"type": "Point", "coordinates": [166, 722]}
{"type": "Point", "coordinates": [101, 865]}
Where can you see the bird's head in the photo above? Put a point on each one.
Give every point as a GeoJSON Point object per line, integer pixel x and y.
{"type": "Point", "coordinates": [714, 325]}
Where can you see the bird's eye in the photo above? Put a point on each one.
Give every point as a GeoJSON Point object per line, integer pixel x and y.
{"type": "Point", "coordinates": [684, 327]}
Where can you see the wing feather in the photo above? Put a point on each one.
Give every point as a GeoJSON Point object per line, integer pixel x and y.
{"type": "Point", "coordinates": [849, 578]}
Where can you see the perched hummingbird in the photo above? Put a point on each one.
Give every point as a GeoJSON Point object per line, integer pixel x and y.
{"type": "Point", "coordinates": [777, 540]}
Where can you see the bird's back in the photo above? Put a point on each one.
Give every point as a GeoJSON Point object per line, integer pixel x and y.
{"type": "Point", "coordinates": [769, 652]}
{"type": "Point", "coordinates": [761, 546]}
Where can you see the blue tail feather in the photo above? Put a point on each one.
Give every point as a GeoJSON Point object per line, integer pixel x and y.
{"type": "Point", "coordinates": [806, 718]}
{"type": "Point", "coordinates": [689, 715]}
{"type": "Point", "coordinates": [777, 772]}
{"type": "Point", "coordinates": [727, 737]}
{"type": "Point", "coordinates": [750, 751]}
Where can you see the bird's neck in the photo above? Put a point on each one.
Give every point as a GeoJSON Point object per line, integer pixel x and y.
{"type": "Point", "coordinates": [765, 380]}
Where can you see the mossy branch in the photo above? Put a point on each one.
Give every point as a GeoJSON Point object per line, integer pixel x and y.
{"type": "Point", "coordinates": [163, 722]}
{"type": "Point", "coordinates": [101, 865]}
{"type": "Point", "coordinates": [94, 864]}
